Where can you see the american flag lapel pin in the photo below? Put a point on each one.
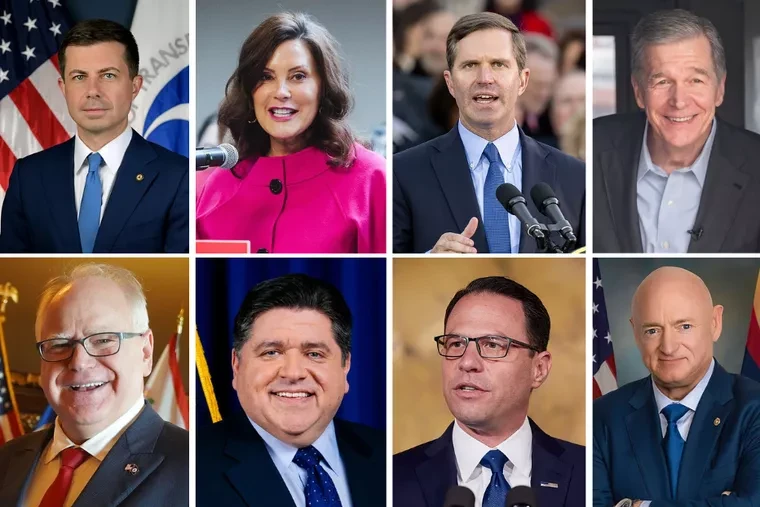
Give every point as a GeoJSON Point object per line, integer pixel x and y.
{"type": "Point", "coordinates": [549, 485]}
{"type": "Point", "coordinates": [131, 468]}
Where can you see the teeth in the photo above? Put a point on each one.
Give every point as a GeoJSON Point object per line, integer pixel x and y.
{"type": "Point", "coordinates": [282, 112]}
{"type": "Point", "coordinates": [77, 387]}
{"type": "Point", "coordinates": [467, 388]}
{"type": "Point", "coordinates": [292, 395]}
{"type": "Point", "coordinates": [682, 119]}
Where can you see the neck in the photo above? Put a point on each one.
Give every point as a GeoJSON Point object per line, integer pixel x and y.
{"type": "Point", "coordinates": [78, 435]}
{"type": "Point", "coordinates": [669, 157]}
{"type": "Point", "coordinates": [96, 140]}
{"type": "Point", "coordinates": [281, 148]}
{"type": "Point", "coordinates": [490, 132]}
{"type": "Point", "coordinates": [679, 392]}
{"type": "Point", "coordinates": [491, 437]}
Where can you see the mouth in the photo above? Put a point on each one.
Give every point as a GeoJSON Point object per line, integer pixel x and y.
{"type": "Point", "coordinates": [86, 387]}
{"type": "Point", "coordinates": [282, 113]}
{"type": "Point", "coordinates": [467, 387]}
{"type": "Point", "coordinates": [485, 98]}
{"type": "Point", "coordinates": [298, 395]}
{"type": "Point", "coordinates": [680, 119]}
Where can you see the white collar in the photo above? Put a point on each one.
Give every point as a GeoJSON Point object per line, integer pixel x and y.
{"type": "Point", "coordinates": [691, 400]}
{"type": "Point", "coordinates": [113, 152]}
{"type": "Point", "coordinates": [99, 445]}
{"type": "Point", "coordinates": [474, 145]}
{"type": "Point", "coordinates": [518, 448]}
{"type": "Point", "coordinates": [326, 444]}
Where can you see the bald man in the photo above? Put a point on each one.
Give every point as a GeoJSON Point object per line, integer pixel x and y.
{"type": "Point", "coordinates": [689, 433]}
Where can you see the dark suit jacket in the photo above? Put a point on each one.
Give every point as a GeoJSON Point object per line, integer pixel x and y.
{"type": "Point", "coordinates": [234, 467]}
{"type": "Point", "coordinates": [722, 451]}
{"type": "Point", "coordinates": [728, 209]}
{"type": "Point", "coordinates": [433, 192]}
{"type": "Point", "coordinates": [147, 211]}
{"type": "Point", "coordinates": [160, 450]}
{"type": "Point", "coordinates": [422, 475]}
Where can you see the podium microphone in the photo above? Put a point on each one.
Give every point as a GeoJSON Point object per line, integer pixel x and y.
{"type": "Point", "coordinates": [514, 202]}
{"type": "Point", "coordinates": [224, 156]}
{"type": "Point", "coordinates": [459, 496]}
{"type": "Point", "coordinates": [521, 496]}
{"type": "Point", "coordinates": [548, 204]}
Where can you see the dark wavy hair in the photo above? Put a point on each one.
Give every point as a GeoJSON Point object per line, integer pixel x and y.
{"type": "Point", "coordinates": [329, 131]}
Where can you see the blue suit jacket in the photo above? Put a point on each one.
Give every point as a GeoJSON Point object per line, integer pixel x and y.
{"type": "Point", "coordinates": [422, 475]}
{"type": "Point", "coordinates": [147, 211]}
{"type": "Point", "coordinates": [433, 192]}
{"type": "Point", "coordinates": [234, 467]}
{"type": "Point", "coordinates": [722, 452]}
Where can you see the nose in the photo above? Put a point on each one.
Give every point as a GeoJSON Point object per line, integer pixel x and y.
{"type": "Point", "coordinates": [485, 74]}
{"type": "Point", "coordinates": [669, 343]}
{"type": "Point", "coordinates": [80, 359]}
{"type": "Point", "coordinates": [93, 88]}
{"type": "Point", "coordinates": [471, 360]}
{"type": "Point", "coordinates": [292, 367]}
{"type": "Point", "coordinates": [283, 90]}
{"type": "Point", "coordinates": [678, 96]}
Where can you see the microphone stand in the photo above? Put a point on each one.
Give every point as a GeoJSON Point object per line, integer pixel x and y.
{"type": "Point", "coordinates": [545, 243]}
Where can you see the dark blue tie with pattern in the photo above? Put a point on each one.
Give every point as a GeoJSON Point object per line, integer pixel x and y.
{"type": "Point", "coordinates": [673, 442]}
{"type": "Point", "coordinates": [319, 490]}
{"type": "Point", "coordinates": [496, 492]}
{"type": "Point", "coordinates": [495, 217]}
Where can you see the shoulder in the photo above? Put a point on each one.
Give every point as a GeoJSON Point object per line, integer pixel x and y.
{"type": "Point", "coordinates": [53, 155]}
{"type": "Point", "coordinates": [367, 159]}
{"type": "Point", "coordinates": [746, 391]}
{"type": "Point", "coordinates": [557, 157]}
{"type": "Point", "coordinates": [169, 160]}
{"type": "Point", "coordinates": [34, 440]}
{"type": "Point", "coordinates": [609, 405]}
{"type": "Point", "coordinates": [738, 135]}
{"type": "Point", "coordinates": [211, 439]}
{"type": "Point", "coordinates": [367, 435]}
{"type": "Point", "coordinates": [410, 458]}
{"type": "Point", "coordinates": [413, 155]}
{"type": "Point", "coordinates": [617, 121]}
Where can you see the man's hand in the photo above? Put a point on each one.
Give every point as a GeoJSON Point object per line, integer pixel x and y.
{"type": "Point", "coordinates": [451, 242]}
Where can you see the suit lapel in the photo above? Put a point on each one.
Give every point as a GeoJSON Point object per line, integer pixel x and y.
{"type": "Point", "coordinates": [451, 169]}
{"type": "Point", "coordinates": [255, 476]}
{"type": "Point", "coordinates": [439, 472]}
{"type": "Point", "coordinates": [133, 180]}
{"type": "Point", "coordinates": [618, 169]}
{"type": "Point", "coordinates": [356, 456]}
{"type": "Point", "coordinates": [724, 189]}
{"type": "Point", "coordinates": [58, 187]}
{"type": "Point", "coordinates": [20, 467]}
{"type": "Point", "coordinates": [548, 469]}
{"type": "Point", "coordinates": [112, 482]}
{"type": "Point", "coordinates": [703, 434]}
{"type": "Point", "coordinates": [645, 434]}
{"type": "Point", "coordinates": [535, 169]}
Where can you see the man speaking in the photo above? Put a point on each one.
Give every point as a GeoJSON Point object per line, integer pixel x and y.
{"type": "Point", "coordinates": [444, 191]}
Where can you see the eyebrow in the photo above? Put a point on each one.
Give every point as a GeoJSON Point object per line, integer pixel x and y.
{"type": "Point", "coordinates": [101, 71]}
{"type": "Point", "coordinates": [315, 345]}
{"type": "Point", "coordinates": [269, 343]}
{"type": "Point", "coordinates": [698, 70]}
{"type": "Point", "coordinates": [297, 67]}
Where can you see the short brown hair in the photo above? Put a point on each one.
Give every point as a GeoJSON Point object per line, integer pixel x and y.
{"type": "Point", "coordinates": [94, 31]}
{"type": "Point", "coordinates": [484, 21]}
{"type": "Point", "coordinates": [329, 130]}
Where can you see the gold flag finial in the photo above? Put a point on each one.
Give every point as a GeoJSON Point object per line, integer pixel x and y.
{"type": "Point", "coordinates": [7, 293]}
{"type": "Point", "coordinates": [180, 321]}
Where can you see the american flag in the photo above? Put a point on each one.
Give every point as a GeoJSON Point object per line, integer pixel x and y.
{"type": "Point", "coordinates": [33, 113]}
{"type": "Point", "coordinates": [10, 424]}
{"type": "Point", "coordinates": [751, 364]}
{"type": "Point", "coordinates": [605, 374]}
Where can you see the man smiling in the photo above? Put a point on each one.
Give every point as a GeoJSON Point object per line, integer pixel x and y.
{"type": "Point", "coordinates": [290, 361]}
{"type": "Point", "coordinates": [675, 178]}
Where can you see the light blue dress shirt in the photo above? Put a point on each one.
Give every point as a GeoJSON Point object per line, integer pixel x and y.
{"type": "Point", "coordinates": [668, 204]}
{"type": "Point", "coordinates": [282, 455]}
{"type": "Point", "coordinates": [510, 152]}
{"type": "Point", "coordinates": [690, 401]}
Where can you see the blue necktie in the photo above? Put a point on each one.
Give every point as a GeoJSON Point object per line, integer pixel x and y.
{"type": "Point", "coordinates": [495, 217]}
{"type": "Point", "coordinates": [89, 210]}
{"type": "Point", "coordinates": [673, 442]}
{"type": "Point", "coordinates": [496, 492]}
{"type": "Point", "coordinates": [319, 490]}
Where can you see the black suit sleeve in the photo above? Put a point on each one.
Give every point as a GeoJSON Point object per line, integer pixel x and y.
{"type": "Point", "coordinates": [403, 235]}
{"type": "Point", "coordinates": [177, 232]}
{"type": "Point", "coordinates": [14, 230]}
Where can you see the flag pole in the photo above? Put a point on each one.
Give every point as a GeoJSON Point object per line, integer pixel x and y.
{"type": "Point", "coordinates": [8, 293]}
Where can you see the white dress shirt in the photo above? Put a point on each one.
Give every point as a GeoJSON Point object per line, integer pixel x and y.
{"type": "Point", "coordinates": [112, 153]}
{"type": "Point", "coordinates": [97, 447]}
{"type": "Point", "coordinates": [282, 455]}
{"type": "Point", "coordinates": [468, 451]}
{"type": "Point", "coordinates": [510, 152]}
{"type": "Point", "coordinates": [690, 401]}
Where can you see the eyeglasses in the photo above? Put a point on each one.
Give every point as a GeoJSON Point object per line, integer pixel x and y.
{"type": "Point", "coordinates": [96, 345]}
{"type": "Point", "coordinates": [489, 347]}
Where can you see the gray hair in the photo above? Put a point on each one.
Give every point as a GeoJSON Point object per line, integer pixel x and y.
{"type": "Point", "coordinates": [124, 278]}
{"type": "Point", "coordinates": [674, 25]}
{"type": "Point", "coordinates": [541, 45]}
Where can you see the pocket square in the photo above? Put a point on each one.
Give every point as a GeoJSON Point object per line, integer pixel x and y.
{"type": "Point", "coordinates": [549, 485]}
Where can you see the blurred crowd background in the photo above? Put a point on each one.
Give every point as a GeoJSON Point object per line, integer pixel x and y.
{"type": "Point", "coordinates": [552, 109]}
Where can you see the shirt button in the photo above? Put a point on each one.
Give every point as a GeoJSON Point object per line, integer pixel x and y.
{"type": "Point", "coordinates": [670, 203]}
{"type": "Point", "coordinates": [262, 250]}
{"type": "Point", "coordinates": [275, 186]}
{"type": "Point", "coordinates": [666, 245]}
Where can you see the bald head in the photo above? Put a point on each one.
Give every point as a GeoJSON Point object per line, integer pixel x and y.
{"type": "Point", "coordinates": [675, 325]}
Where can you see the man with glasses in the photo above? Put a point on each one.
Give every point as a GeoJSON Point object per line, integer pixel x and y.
{"type": "Point", "coordinates": [107, 446]}
{"type": "Point", "coordinates": [493, 356]}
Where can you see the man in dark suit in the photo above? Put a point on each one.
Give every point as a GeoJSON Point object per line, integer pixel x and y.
{"type": "Point", "coordinates": [444, 191]}
{"type": "Point", "coordinates": [675, 178]}
{"type": "Point", "coordinates": [290, 361]}
{"type": "Point", "coordinates": [690, 433]}
{"type": "Point", "coordinates": [107, 190]}
{"type": "Point", "coordinates": [107, 446]}
{"type": "Point", "coordinates": [492, 445]}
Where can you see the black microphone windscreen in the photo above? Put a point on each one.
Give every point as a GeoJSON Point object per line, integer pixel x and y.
{"type": "Point", "coordinates": [522, 496]}
{"type": "Point", "coordinates": [540, 192]}
{"type": "Point", "coordinates": [459, 496]}
{"type": "Point", "coordinates": [506, 192]}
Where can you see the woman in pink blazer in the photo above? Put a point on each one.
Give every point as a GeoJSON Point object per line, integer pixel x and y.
{"type": "Point", "coordinates": [304, 184]}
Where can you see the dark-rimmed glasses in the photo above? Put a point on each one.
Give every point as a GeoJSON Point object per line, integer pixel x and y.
{"type": "Point", "coordinates": [489, 347]}
{"type": "Point", "coordinates": [96, 345]}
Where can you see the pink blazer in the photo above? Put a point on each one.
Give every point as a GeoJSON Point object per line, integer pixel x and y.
{"type": "Point", "coordinates": [296, 204]}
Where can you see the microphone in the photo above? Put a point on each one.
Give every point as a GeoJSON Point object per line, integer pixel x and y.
{"type": "Point", "coordinates": [521, 496]}
{"type": "Point", "coordinates": [548, 204]}
{"type": "Point", "coordinates": [696, 233]}
{"type": "Point", "coordinates": [459, 496]}
{"type": "Point", "coordinates": [224, 156]}
{"type": "Point", "coordinates": [514, 202]}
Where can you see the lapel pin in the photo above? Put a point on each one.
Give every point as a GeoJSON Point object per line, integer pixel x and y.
{"type": "Point", "coordinates": [716, 421]}
{"type": "Point", "coordinates": [549, 485]}
{"type": "Point", "coordinates": [131, 468]}
{"type": "Point", "coordinates": [139, 177]}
